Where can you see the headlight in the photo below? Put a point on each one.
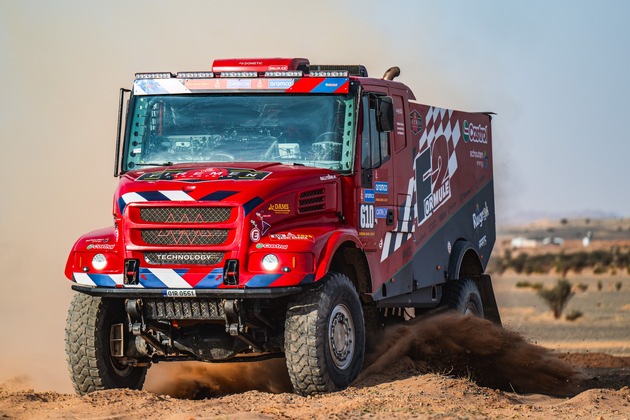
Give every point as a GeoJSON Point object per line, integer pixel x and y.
{"type": "Point", "coordinates": [270, 262]}
{"type": "Point", "coordinates": [99, 261]}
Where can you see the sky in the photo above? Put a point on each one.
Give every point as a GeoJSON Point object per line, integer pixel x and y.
{"type": "Point", "coordinates": [554, 72]}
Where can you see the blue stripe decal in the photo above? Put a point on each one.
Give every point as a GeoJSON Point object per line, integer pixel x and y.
{"type": "Point", "coordinates": [262, 280]}
{"type": "Point", "coordinates": [148, 279]}
{"type": "Point", "coordinates": [252, 204]}
{"type": "Point", "coordinates": [329, 85]}
{"type": "Point", "coordinates": [309, 278]}
{"type": "Point", "coordinates": [213, 280]}
{"type": "Point", "coordinates": [121, 205]}
{"type": "Point", "coordinates": [102, 280]}
{"type": "Point", "coordinates": [153, 196]}
{"type": "Point", "coordinates": [218, 196]}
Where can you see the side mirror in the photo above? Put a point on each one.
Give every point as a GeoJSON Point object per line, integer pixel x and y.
{"type": "Point", "coordinates": [385, 120]}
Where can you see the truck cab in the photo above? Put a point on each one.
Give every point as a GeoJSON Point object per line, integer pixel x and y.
{"type": "Point", "coordinates": [275, 208]}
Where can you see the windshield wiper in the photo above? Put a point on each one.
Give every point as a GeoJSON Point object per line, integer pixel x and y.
{"type": "Point", "coordinates": [156, 164]}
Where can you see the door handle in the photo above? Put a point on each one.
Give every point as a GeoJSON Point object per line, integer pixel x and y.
{"type": "Point", "coordinates": [390, 217]}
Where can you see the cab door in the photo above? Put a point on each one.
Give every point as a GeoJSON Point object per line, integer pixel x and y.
{"type": "Point", "coordinates": [376, 197]}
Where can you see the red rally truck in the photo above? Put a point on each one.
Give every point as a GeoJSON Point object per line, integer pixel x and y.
{"type": "Point", "coordinates": [276, 208]}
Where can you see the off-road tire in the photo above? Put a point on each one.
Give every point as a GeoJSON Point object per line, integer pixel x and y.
{"type": "Point", "coordinates": [463, 296]}
{"type": "Point", "coordinates": [87, 346]}
{"type": "Point", "coordinates": [325, 337]}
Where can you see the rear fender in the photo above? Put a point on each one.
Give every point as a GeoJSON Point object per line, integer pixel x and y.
{"type": "Point", "coordinates": [464, 261]}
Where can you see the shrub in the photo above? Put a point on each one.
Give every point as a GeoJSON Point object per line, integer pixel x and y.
{"type": "Point", "coordinates": [599, 285]}
{"type": "Point", "coordinates": [618, 286]}
{"type": "Point", "coordinates": [557, 297]}
{"type": "Point", "coordinates": [581, 287]}
{"type": "Point", "coordinates": [573, 315]}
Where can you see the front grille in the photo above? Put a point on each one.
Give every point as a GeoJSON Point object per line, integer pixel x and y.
{"type": "Point", "coordinates": [166, 309]}
{"type": "Point", "coordinates": [185, 214]}
{"type": "Point", "coordinates": [313, 200]}
{"type": "Point", "coordinates": [184, 236]}
{"type": "Point", "coordinates": [189, 258]}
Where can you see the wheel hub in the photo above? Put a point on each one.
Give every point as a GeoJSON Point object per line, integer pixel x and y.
{"type": "Point", "coordinates": [341, 335]}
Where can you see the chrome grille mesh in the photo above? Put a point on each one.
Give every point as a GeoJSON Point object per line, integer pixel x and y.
{"type": "Point", "coordinates": [185, 214]}
{"type": "Point", "coordinates": [184, 236]}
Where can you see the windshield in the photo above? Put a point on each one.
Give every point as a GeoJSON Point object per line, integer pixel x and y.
{"type": "Point", "coordinates": [315, 130]}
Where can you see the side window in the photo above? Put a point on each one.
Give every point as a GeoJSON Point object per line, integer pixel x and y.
{"type": "Point", "coordinates": [375, 147]}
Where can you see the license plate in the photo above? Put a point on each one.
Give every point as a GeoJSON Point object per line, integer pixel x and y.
{"type": "Point", "coordinates": [179, 293]}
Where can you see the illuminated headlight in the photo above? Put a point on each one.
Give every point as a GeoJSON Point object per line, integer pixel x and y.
{"type": "Point", "coordinates": [99, 261]}
{"type": "Point", "coordinates": [270, 262]}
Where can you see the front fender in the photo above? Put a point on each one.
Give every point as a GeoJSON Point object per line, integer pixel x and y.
{"type": "Point", "coordinates": [333, 242]}
{"type": "Point", "coordinates": [103, 241]}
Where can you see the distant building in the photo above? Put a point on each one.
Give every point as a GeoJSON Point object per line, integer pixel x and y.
{"type": "Point", "coordinates": [521, 242]}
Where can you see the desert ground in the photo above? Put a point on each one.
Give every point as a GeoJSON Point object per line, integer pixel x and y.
{"type": "Point", "coordinates": [444, 366]}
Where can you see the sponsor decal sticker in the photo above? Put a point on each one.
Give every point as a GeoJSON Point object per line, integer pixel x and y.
{"type": "Point", "coordinates": [239, 84]}
{"type": "Point", "coordinates": [272, 246]}
{"type": "Point", "coordinates": [381, 187]}
{"type": "Point", "coordinates": [416, 121]}
{"type": "Point", "coordinates": [281, 83]}
{"type": "Point", "coordinates": [475, 133]}
{"type": "Point", "coordinates": [106, 247]}
{"type": "Point", "coordinates": [483, 241]}
{"type": "Point", "coordinates": [368, 196]}
{"type": "Point", "coordinates": [254, 234]}
{"type": "Point", "coordinates": [381, 212]}
{"type": "Point", "coordinates": [328, 177]}
{"type": "Point", "coordinates": [279, 208]}
{"type": "Point", "coordinates": [480, 216]}
{"type": "Point", "coordinates": [291, 237]}
{"type": "Point", "coordinates": [204, 174]}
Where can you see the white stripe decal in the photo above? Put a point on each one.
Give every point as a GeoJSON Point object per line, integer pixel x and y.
{"type": "Point", "coordinates": [132, 197]}
{"type": "Point", "coordinates": [116, 278]}
{"type": "Point", "coordinates": [385, 251]}
{"type": "Point", "coordinates": [175, 195]}
{"type": "Point", "coordinates": [173, 85]}
{"type": "Point", "coordinates": [83, 278]}
{"type": "Point", "coordinates": [170, 278]}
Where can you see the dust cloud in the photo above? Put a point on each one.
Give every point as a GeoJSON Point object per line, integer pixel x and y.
{"type": "Point", "coordinates": [196, 380]}
{"type": "Point", "coordinates": [448, 343]}
{"type": "Point", "coordinates": [475, 348]}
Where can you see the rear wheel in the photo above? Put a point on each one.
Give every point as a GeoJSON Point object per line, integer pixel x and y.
{"type": "Point", "coordinates": [90, 363]}
{"type": "Point", "coordinates": [463, 296]}
{"type": "Point", "coordinates": [325, 337]}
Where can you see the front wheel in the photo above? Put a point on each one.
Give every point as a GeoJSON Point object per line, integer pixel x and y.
{"type": "Point", "coordinates": [325, 337]}
{"type": "Point", "coordinates": [88, 328]}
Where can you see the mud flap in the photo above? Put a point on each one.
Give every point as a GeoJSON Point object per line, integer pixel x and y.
{"type": "Point", "coordinates": [490, 308]}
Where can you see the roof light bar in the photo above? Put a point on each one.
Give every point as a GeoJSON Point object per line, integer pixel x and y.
{"type": "Point", "coordinates": [162, 75]}
{"type": "Point", "coordinates": [294, 73]}
{"type": "Point", "coordinates": [194, 74]}
{"type": "Point", "coordinates": [239, 74]}
{"type": "Point", "coordinates": [329, 73]}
